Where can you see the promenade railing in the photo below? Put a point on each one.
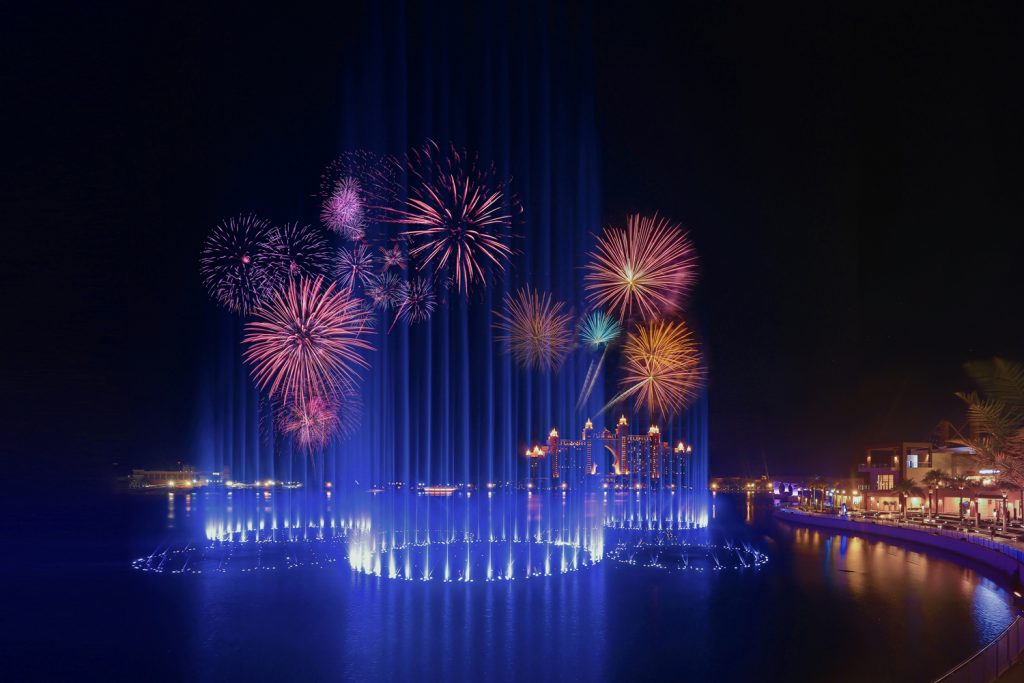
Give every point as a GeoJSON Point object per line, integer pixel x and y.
{"type": "Point", "coordinates": [1016, 551]}
{"type": "Point", "coordinates": [991, 661]}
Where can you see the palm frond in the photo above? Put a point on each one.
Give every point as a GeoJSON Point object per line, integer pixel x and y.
{"type": "Point", "coordinates": [1001, 380]}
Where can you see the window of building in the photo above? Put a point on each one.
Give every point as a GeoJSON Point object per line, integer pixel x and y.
{"type": "Point", "coordinates": [885, 482]}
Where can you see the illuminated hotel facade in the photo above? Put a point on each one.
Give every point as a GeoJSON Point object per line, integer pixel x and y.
{"type": "Point", "coordinates": [618, 458]}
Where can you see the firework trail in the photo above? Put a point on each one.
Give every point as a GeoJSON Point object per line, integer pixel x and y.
{"type": "Point", "coordinates": [598, 332]}
{"type": "Point", "coordinates": [307, 340]}
{"type": "Point", "coordinates": [353, 265]}
{"type": "Point", "coordinates": [662, 368]}
{"type": "Point", "coordinates": [646, 269]}
{"type": "Point", "coordinates": [416, 301]}
{"type": "Point", "coordinates": [356, 191]}
{"type": "Point", "coordinates": [536, 330]}
{"type": "Point", "coordinates": [302, 251]}
{"type": "Point", "coordinates": [385, 290]}
{"type": "Point", "coordinates": [239, 263]}
{"type": "Point", "coordinates": [459, 216]}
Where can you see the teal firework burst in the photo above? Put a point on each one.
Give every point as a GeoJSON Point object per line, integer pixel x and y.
{"type": "Point", "coordinates": [599, 330]}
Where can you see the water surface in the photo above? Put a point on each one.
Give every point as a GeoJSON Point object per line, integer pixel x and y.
{"type": "Point", "coordinates": [826, 607]}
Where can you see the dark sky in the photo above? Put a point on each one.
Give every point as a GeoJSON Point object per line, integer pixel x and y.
{"type": "Point", "coordinates": [851, 176]}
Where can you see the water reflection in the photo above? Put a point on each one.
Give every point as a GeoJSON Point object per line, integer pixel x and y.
{"type": "Point", "coordinates": [825, 602]}
{"type": "Point", "coordinates": [990, 609]}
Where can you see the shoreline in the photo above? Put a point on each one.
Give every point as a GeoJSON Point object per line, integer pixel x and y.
{"type": "Point", "coordinates": [998, 660]}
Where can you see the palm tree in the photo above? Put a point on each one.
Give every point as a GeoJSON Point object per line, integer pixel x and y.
{"type": "Point", "coordinates": [935, 479]}
{"type": "Point", "coordinates": [996, 417]}
{"type": "Point", "coordinates": [906, 487]}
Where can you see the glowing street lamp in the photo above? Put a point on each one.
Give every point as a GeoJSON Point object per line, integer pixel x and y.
{"type": "Point", "coordinates": [1006, 494]}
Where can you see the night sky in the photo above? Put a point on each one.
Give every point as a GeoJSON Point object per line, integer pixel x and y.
{"type": "Point", "coordinates": [851, 178]}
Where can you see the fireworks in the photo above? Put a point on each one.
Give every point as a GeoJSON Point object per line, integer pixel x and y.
{"type": "Point", "coordinates": [662, 368]}
{"type": "Point", "coordinates": [302, 250]}
{"type": "Point", "coordinates": [460, 217]}
{"type": "Point", "coordinates": [416, 301]}
{"type": "Point", "coordinates": [647, 269]}
{"type": "Point", "coordinates": [312, 422]}
{"type": "Point", "coordinates": [357, 189]}
{"type": "Point", "coordinates": [599, 330]}
{"type": "Point", "coordinates": [536, 329]}
{"type": "Point", "coordinates": [352, 264]}
{"type": "Point", "coordinates": [239, 263]}
{"type": "Point", "coordinates": [392, 258]}
{"type": "Point", "coordinates": [343, 210]}
{"type": "Point", "coordinates": [385, 290]}
{"type": "Point", "coordinates": [307, 341]}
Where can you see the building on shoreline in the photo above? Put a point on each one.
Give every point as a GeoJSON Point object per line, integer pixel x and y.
{"type": "Point", "coordinates": [185, 476]}
{"type": "Point", "coordinates": [946, 479]}
{"type": "Point", "coordinates": [616, 459]}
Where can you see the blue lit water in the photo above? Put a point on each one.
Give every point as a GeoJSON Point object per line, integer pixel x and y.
{"type": "Point", "coordinates": [824, 608]}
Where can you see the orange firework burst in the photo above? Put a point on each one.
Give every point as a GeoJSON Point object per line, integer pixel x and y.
{"type": "Point", "coordinates": [308, 341]}
{"type": "Point", "coordinates": [662, 368]}
{"type": "Point", "coordinates": [537, 330]}
{"type": "Point", "coordinates": [646, 269]}
{"type": "Point", "coordinates": [460, 216]}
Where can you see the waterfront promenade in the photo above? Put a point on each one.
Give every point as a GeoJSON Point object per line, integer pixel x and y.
{"type": "Point", "coordinates": [999, 660]}
{"type": "Point", "coordinates": [1001, 553]}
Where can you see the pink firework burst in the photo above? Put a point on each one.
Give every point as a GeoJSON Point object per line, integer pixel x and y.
{"type": "Point", "coordinates": [647, 269]}
{"type": "Point", "coordinates": [459, 216]}
{"type": "Point", "coordinates": [416, 301]}
{"type": "Point", "coordinates": [357, 189]}
{"type": "Point", "coordinates": [302, 250]}
{"type": "Point", "coordinates": [343, 211]}
{"type": "Point", "coordinates": [391, 258]}
{"type": "Point", "coordinates": [308, 339]}
{"type": "Point", "coordinates": [239, 263]}
{"type": "Point", "coordinates": [353, 264]}
{"type": "Point", "coordinates": [312, 422]}
{"type": "Point", "coordinates": [385, 290]}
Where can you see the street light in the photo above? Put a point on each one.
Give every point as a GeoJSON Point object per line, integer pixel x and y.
{"type": "Point", "coordinates": [960, 486]}
{"type": "Point", "coordinates": [1005, 493]}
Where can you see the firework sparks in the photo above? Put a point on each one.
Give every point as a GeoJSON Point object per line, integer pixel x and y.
{"type": "Point", "coordinates": [392, 258]}
{"type": "Point", "coordinates": [662, 368]}
{"type": "Point", "coordinates": [239, 263]}
{"type": "Point", "coordinates": [354, 264]}
{"type": "Point", "coordinates": [536, 329]}
{"type": "Point", "coordinates": [385, 290]}
{"type": "Point", "coordinates": [416, 301]}
{"type": "Point", "coordinates": [343, 211]}
{"type": "Point", "coordinates": [459, 216]}
{"type": "Point", "coordinates": [599, 330]}
{"type": "Point", "coordinates": [302, 250]}
{"type": "Point", "coordinates": [312, 422]}
{"type": "Point", "coordinates": [357, 189]}
{"type": "Point", "coordinates": [349, 409]}
{"type": "Point", "coordinates": [307, 340]}
{"type": "Point", "coordinates": [647, 269]}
